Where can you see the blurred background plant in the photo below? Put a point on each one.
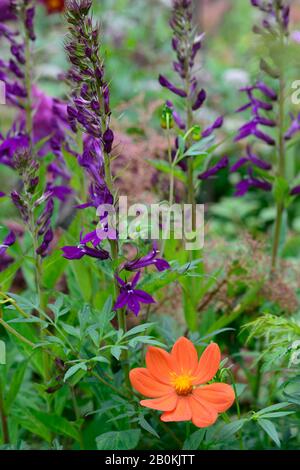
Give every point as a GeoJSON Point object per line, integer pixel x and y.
{"type": "Point", "coordinates": [254, 318]}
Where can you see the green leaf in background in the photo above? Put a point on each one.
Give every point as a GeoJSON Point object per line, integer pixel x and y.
{"type": "Point", "coordinates": [165, 167]}
{"type": "Point", "coordinates": [70, 372]}
{"type": "Point", "coordinates": [57, 424]}
{"type": "Point", "coordinates": [270, 429]}
{"type": "Point", "coordinates": [15, 385]}
{"type": "Point", "coordinates": [119, 440]}
{"type": "Point", "coordinates": [194, 440]}
{"type": "Point", "coordinates": [230, 429]}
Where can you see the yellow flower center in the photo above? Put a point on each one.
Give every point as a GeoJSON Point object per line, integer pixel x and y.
{"type": "Point", "coordinates": [182, 384]}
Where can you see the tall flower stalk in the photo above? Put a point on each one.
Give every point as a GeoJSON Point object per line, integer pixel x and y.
{"type": "Point", "coordinates": [270, 112]}
{"type": "Point", "coordinates": [90, 113]}
{"type": "Point", "coordinates": [187, 43]}
{"type": "Point", "coordinates": [191, 140]}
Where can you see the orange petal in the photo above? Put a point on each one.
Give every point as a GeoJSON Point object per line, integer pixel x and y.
{"type": "Point", "coordinates": [203, 414]}
{"type": "Point", "coordinates": [159, 364]}
{"type": "Point", "coordinates": [185, 357]}
{"type": "Point", "coordinates": [208, 364]}
{"type": "Point", "coordinates": [147, 385]}
{"type": "Point", "coordinates": [220, 396]}
{"type": "Point", "coordinates": [182, 412]}
{"type": "Point", "coordinates": [166, 403]}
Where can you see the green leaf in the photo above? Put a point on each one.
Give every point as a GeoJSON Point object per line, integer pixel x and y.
{"type": "Point", "coordinates": [7, 276]}
{"type": "Point", "coordinates": [281, 190]}
{"type": "Point", "coordinates": [230, 429]}
{"type": "Point", "coordinates": [200, 147]}
{"type": "Point", "coordinates": [15, 385]}
{"type": "Point", "coordinates": [57, 424]}
{"type": "Point", "coordinates": [270, 429]}
{"type": "Point", "coordinates": [118, 440]}
{"type": "Point", "coordinates": [165, 167]}
{"type": "Point", "coordinates": [106, 314]}
{"type": "Point", "coordinates": [145, 425]}
{"type": "Point", "coordinates": [74, 369]}
{"type": "Point", "coordinates": [277, 406]}
{"type": "Point", "coordinates": [194, 440]}
{"type": "Point", "coordinates": [138, 329]}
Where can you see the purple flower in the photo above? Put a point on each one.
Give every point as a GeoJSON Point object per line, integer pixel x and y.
{"type": "Point", "coordinates": [222, 163]}
{"type": "Point", "coordinates": [108, 139]}
{"type": "Point", "coordinates": [81, 250]}
{"type": "Point", "coordinates": [201, 97]}
{"type": "Point", "coordinates": [216, 125]}
{"type": "Point", "coordinates": [8, 241]}
{"type": "Point", "coordinates": [177, 118]}
{"type": "Point", "coordinates": [42, 250]}
{"type": "Point", "coordinates": [6, 11]}
{"type": "Point", "coordinates": [252, 159]}
{"type": "Point", "coordinates": [294, 128]}
{"type": "Point", "coordinates": [148, 260]}
{"type": "Point", "coordinates": [167, 84]}
{"type": "Point", "coordinates": [10, 145]}
{"type": "Point", "coordinates": [131, 297]}
{"type": "Point", "coordinates": [295, 191]}
{"type": "Point", "coordinates": [243, 186]}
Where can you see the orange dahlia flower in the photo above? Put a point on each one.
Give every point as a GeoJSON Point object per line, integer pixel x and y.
{"type": "Point", "coordinates": [174, 382]}
{"type": "Point", "coordinates": [54, 6]}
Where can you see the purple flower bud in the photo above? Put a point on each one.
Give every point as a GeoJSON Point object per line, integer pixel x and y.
{"type": "Point", "coordinates": [108, 139]}
{"type": "Point", "coordinates": [222, 163]}
{"type": "Point", "coordinates": [216, 125]}
{"type": "Point", "coordinates": [29, 22]}
{"type": "Point", "coordinates": [267, 91]}
{"type": "Point", "coordinates": [200, 100]}
{"type": "Point", "coordinates": [166, 84]}
{"type": "Point", "coordinates": [295, 191]}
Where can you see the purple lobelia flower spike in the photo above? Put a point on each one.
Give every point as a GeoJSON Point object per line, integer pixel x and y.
{"type": "Point", "coordinates": [130, 296]}
{"type": "Point", "coordinates": [187, 43]}
{"type": "Point", "coordinates": [266, 103]}
{"type": "Point", "coordinates": [89, 109]}
{"type": "Point", "coordinates": [151, 259]}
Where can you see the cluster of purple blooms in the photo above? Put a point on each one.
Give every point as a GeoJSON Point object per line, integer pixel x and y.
{"type": "Point", "coordinates": [261, 99]}
{"type": "Point", "coordinates": [49, 123]}
{"type": "Point", "coordinates": [187, 44]}
{"type": "Point", "coordinates": [90, 112]}
{"type": "Point", "coordinates": [129, 295]}
{"type": "Point", "coordinates": [49, 116]}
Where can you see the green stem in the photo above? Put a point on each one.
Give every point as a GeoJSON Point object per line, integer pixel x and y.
{"type": "Point", "coordinates": [281, 154]}
{"type": "Point", "coordinates": [11, 330]}
{"type": "Point", "coordinates": [4, 423]}
{"type": "Point", "coordinates": [77, 415]}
